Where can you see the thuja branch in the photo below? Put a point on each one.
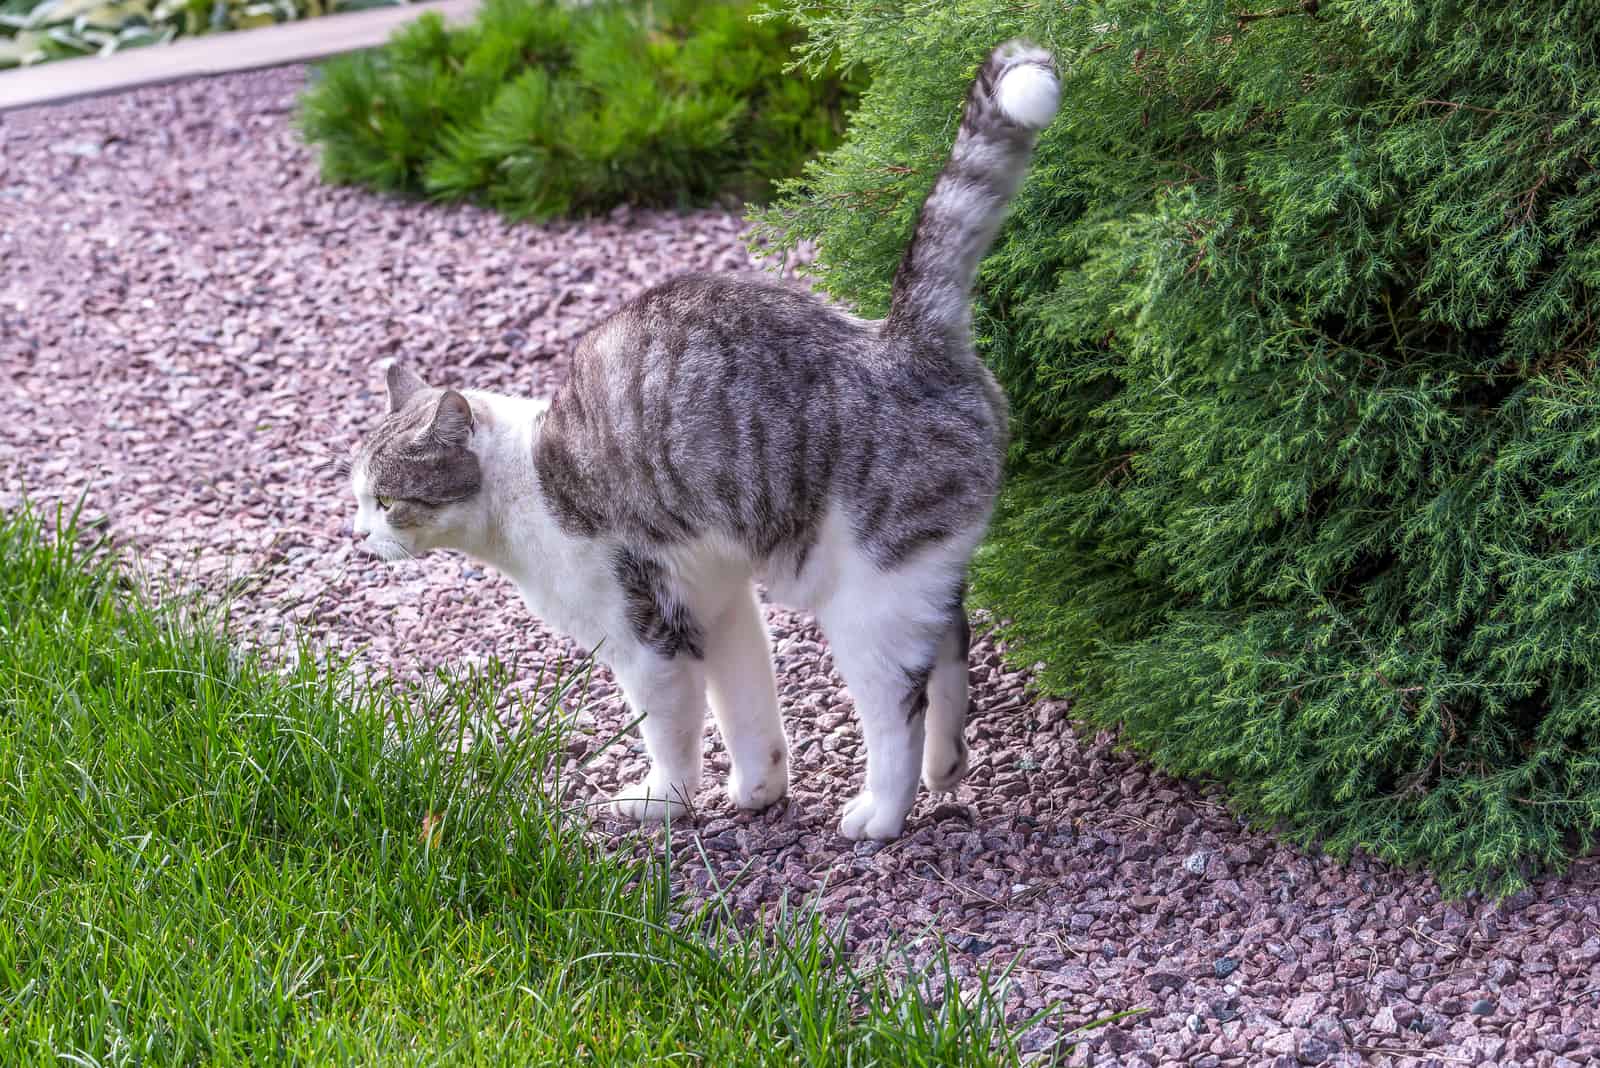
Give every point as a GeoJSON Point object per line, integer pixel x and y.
{"type": "Point", "coordinates": [1305, 7]}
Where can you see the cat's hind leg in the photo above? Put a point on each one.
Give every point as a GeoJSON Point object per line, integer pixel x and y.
{"type": "Point", "coordinates": [744, 700]}
{"type": "Point", "coordinates": [885, 647]}
{"type": "Point", "coordinates": [891, 698]}
{"type": "Point", "coordinates": [944, 752]}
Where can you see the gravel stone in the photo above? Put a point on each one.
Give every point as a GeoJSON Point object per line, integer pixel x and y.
{"type": "Point", "coordinates": [1159, 980]}
{"type": "Point", "coordinates": [1303, 1009]}
{"type": "Point", "coordinates": [191, 323]}
{"type": "Point", "coordinates": [1284, 1043]}
{"type": "Point", "coordinates": [1313, 1050]}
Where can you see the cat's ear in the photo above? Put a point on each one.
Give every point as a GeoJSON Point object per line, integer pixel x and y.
{"type": "Point", "coordinates": [403, 384]}
{"type": "Point", "coordinates": [452, 420]}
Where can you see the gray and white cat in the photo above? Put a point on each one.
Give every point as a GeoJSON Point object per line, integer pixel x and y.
{"type": "Point", "coordinates": [718, 431]}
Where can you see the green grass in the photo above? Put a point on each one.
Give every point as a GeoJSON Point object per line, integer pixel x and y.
{"type": "Point", "coordinates": [209, 859]}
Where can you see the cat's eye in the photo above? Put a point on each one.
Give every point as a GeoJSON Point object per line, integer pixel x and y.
{"type": "Point", "coordinates": [384, 503]}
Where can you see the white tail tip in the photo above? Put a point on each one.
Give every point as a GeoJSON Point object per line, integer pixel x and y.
{"type": "Point", "coordinates": [1028, 92]}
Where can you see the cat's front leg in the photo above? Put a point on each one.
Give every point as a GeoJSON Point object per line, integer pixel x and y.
{"type": "Point", "coordinates": [669, 692]}
{"type": "Point", "coordinates": [744, 700]}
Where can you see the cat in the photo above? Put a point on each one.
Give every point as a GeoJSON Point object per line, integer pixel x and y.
{"type": "Point", "coordinates": [717, 431]}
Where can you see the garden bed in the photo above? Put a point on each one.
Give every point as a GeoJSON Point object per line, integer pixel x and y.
{"type": "Point", "coordinates": [38, 31]}
{"type": "Point", "coordinates": [198, 327]}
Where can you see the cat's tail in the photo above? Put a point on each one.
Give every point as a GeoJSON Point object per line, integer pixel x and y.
{"type": "Point", "coordinates": [1014, 96]}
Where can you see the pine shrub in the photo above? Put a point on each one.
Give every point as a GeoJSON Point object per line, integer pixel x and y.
{"type": "Point", "coordinates": [1294, 316]}
{"type": "Point", "coordinates": [543, 108]}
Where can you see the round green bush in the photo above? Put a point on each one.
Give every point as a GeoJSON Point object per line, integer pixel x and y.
{"type": "Point", "coordinates": [543, 108]}
{"type": "Point", "coordinates": [1294, 313]}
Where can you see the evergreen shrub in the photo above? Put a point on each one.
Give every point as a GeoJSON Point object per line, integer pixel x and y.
{"type": "Point", "coordinates": [1295, 317]}
{"type": "Point", "coordinates": [544, 108]}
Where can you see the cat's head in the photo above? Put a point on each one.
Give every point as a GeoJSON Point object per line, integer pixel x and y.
{"type": "Point", "coordinates": [417, 480]}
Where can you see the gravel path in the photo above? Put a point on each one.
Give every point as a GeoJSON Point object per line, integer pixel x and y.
{"type": "Point", "coordinates": [189, 324]}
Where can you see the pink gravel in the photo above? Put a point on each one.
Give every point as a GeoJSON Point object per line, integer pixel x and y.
{"type": "Point", "coordinates": [189, 324]}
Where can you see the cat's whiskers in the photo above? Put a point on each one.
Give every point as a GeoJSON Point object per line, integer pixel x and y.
{"type": "Point", "coordinates": [335, 466]}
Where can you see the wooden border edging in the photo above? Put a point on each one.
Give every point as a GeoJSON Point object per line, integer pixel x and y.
{"type": "Point", "coordinates": [211, 54]}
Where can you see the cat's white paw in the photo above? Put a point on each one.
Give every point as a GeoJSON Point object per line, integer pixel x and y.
{"type": "Point", "coordinates": [867, 817]}
{"type": "Point", "coordinates": [943, 770]}
{"type": "Point", "coordinates": [761, 792]}
{"type": "Point", "coordinates": [650, 801]}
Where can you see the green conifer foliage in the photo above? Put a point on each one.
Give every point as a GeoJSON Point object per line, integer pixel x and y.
{"type": "Point", "coordinates": [544, 108]}
{"type": "Point", "coordinates": [1295, 313]}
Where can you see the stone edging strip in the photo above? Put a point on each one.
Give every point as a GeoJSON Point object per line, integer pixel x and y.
{"type": "Point", "coordinates": [212, 54]}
